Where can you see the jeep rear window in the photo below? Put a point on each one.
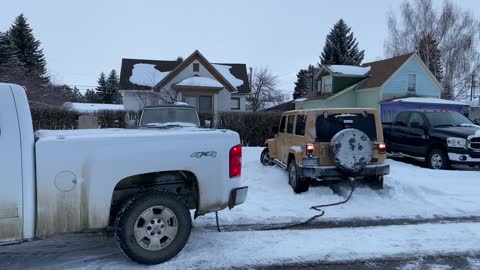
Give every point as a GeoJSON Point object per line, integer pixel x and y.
{"type": "Point", "coordinates": [326, 128]}
{"type": "Point", "coordinates": [291, 118]}
{"type": "Point", "coordinates": [282, 124]}
{"type": "Point", "coordinates": [300, 125]}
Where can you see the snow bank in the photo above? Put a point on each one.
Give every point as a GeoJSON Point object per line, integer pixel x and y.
{"type": "Point", "coordinates": [200, 81]}
{"type": "Point", "coordinates": [429, 100]}
{"type": "Point", "coordinates": [410, 192]}
{"type": "Point", "coordinates": [225, 71]}
{"type": "Point", "coordinates": [146, 75]}
{"type": "Point", "coordinates": [93, 107]}
{"type": "Point", "coordinates": [349, 70]}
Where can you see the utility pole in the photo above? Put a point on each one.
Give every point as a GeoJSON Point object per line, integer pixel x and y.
{"type": "Point", "coordinates": [472, 87]}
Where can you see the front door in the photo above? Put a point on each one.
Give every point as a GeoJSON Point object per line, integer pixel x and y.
{"type": "Point", "coordinates": [415, 135]}
{"type": "Point", "coordinates": [10, 169]}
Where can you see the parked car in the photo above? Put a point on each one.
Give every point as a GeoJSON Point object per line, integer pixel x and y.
{"type": "Point", "coordinates": [140, 181]}
{"type": "Point", "coordinates": [439, 137]}
{"type": "Point", "coordinates": [328, 144]}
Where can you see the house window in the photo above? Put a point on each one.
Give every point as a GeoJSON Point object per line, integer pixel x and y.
{"type": "Point", "coordinates": [205, 103]}
{"type": "Point", "coordinates": [192, 101]}
{"type": "Point", "coordinates": [412, 83]}
{"type": "Point", "coordinates": [327, 84]}
{"type": "Point", "coordinates": [196, 67]}
{"type": "Point", "coordinates": [319, 86]}
{"type": "Point", "coordinates": [235, 103]}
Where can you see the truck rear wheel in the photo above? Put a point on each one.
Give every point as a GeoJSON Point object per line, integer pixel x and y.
{"type": "Point", "coordinates": [153, 227]}
{"type": "Point", "coordinates": [438, 160]}
{"type": "Point", "coordinates": [298, 185]}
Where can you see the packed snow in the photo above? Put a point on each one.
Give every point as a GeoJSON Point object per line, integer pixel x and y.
{"type": "Point", "coordinates": [200, 81]}
{"type": "Point", "coordinates": [225, 71]}
{"type": "Point", "coordinates": [410, 192]}
{"type": "Point", "coordinates": [429, 100]}
{"type": "Point", "coordinates": [349, 70]}
{"type": "Point", "coordinates": [146, 75]}
{"type": "Point", "coordinates": [92, 107]}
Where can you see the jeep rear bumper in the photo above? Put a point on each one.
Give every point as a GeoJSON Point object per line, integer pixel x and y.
{"type": "Point", "coordinates": [332, 171]}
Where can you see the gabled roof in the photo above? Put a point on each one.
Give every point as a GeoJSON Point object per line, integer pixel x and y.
{"type": "Point", "coordinates": [283, 107]}
{"type": "Point", "coordinates": [381, 71]}
{"type": "Point", "coordinates": [238, 71]}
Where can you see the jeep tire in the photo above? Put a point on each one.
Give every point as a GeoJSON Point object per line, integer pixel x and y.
{"type": "Point", "coordinates": [153, 226]}
{"type": "Point", "coordinates": [297, 183]}
{"type": "Point", "coordinates": [265, 158]}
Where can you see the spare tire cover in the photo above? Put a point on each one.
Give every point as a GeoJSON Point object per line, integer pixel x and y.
{"type": "Point", "coordinates": [351, 150]}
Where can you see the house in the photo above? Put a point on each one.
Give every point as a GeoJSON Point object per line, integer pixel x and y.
{"type": "Point", "coordinates": [283, 107]}
{"type": "Point", "coordinates": [210, 87]}
{"type": "Point", "coordinates": [379, 85]}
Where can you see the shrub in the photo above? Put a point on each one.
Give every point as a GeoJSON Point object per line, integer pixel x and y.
{"type": "Point", "coordinates": [54, 118]}
{"type": "Point", "coordinates": [253, 127]}
{"type": "Point", "coordinates": [112, 119]}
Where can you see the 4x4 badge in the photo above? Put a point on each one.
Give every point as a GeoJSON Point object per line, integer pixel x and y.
{"type": "Point", "coordinates": [212, 154]}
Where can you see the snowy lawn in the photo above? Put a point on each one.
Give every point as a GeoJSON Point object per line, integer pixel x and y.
{"type": "Point", "coordinates": [410, 192]}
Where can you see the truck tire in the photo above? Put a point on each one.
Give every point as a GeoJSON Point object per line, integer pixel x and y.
{"type": "Point", "coordinates": [351, 150]}
{"type": "Point", "coordinates": [265, 158]}
{"type": "Point", "coordinates": [298, 185]}
{"type": "Point", "coordinates": [438, 160]}
{"type": "Point", "coordinates": [153, 227]}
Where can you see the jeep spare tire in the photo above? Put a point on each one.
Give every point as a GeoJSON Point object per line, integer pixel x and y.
{"type": "Point", "coordinates": [351, 150]}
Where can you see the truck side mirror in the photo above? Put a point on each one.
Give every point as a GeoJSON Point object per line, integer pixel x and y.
{"type": "Point", "coordinates": [275, 129]}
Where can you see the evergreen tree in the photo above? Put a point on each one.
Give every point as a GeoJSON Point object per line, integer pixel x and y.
{"type": "Point", "coordinates": [8, 52]}
{"type": "Point", "coordinates": [91, 96]}
{"type": "Point", "coordinates": [427, 48]}
{"type": "Point", "coordinates": [28, 48]}
{"type": "Point", "coordinates": [101, 89]}
{"type": "Point", "coordinates": [112, 95]}
{"type": "Point", "coordinates": [301, 85]}
{"type": "Point", "coordinates": [341, 47]}
{"type": "Point", "coordinates": [311, 71]}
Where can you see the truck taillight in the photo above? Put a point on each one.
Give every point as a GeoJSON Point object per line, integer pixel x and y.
{"type": "Point", "coordinates": [309, 149]}
{"type": "Point", "coordinates": [235, 161]}
{"type": "Point", "coordinates": [382, 148]}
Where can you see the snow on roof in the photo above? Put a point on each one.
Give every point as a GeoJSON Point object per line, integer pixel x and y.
{"type": "Point", "coordinates": [301, 99]}
{"type": "Point", "coordinates": [200, 81]}
{"type": "Point", "coordinates": [146, 75]}
{"type": "Point", "coordinates": [225, 71]}
{"type": "Point", "coordinates": [429, 100]}
{"type": "Point", "coordinates": [349, 70]}
{"type": "Point", "coordinates": [93, 107]}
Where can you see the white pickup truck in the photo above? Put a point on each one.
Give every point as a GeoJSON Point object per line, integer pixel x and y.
{"type": "Point", "coordinates": [142, 182]}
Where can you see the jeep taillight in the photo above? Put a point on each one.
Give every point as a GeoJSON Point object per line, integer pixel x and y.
{"type": "Point", "coordinates": [382, 148]}
{"type": "Point", "coordinates": [309, 149]}
{"type": "Point", "coordinates": [235, 159]}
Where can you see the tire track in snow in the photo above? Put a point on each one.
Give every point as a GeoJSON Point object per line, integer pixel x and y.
{"type": "Point", "coordinates": [352, 223]}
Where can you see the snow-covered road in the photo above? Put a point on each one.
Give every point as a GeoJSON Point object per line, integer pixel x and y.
{"type": "Point", "coordinates": [411, 193]}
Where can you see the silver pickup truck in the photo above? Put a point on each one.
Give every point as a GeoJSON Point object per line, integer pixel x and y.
{"type": "Point", "coordinates": [142, 182]}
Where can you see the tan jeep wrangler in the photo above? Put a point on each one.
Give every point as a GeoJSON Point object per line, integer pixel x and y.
{"type": "Point", "coordinates": [328, 144]}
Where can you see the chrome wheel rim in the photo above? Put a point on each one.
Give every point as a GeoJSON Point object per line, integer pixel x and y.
{"type": "Point", "coordinates": [437, 161]}
{"type": "Point", "coordinates": [292, 176]}
{"type": "Point", "coordinates": [265, 159]}
{"type": "Point", "coordinates": [155, 228]}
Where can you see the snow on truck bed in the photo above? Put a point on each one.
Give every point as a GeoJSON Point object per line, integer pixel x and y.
{"type": "Point", "coordinates": [120, 132]}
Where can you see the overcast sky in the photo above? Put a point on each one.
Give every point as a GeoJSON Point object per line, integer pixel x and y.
{"type": "Point", "coordinates": [85, 37]}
